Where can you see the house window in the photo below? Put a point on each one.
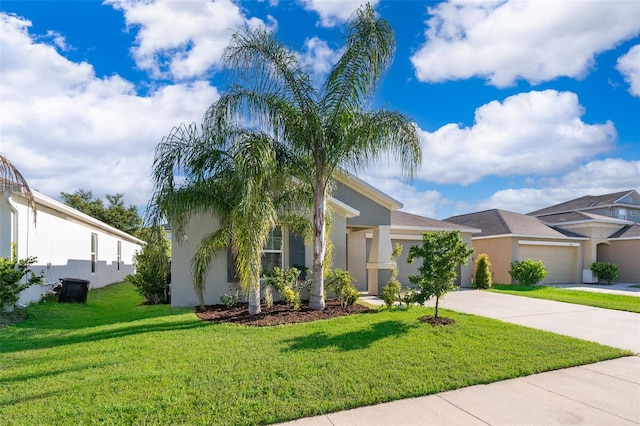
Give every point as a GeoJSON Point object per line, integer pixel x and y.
{"type": "Point", "coordinates": [272, 255]}
{"type": "Point", "coordinates": [622, 214]}
{"type": "Point", "coordinates": [119, 254]}
{"type": "Point", "coordinates": [94, 252]}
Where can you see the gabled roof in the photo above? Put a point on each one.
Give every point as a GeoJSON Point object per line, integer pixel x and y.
{"type": "Point", "coordinates": [502, 222]}
{"type": "Point", "coordinates": [627, 232]}
{"type": "Point", "coordinates": [401, 220]}
{"type": "Point", "coordinates": [586, 202]}
{"type": "Point", "coordinates": [367, 190]}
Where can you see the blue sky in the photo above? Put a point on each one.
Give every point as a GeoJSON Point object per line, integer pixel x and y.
{"type": "Point", "coordinates": [520, 105]}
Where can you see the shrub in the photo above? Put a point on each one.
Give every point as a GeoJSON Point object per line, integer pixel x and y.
{"type": "Point", "coordinates": [605, 271]}
{"type": "Point", "coordinates": [391, 292]}
{"type": "Point", "coordinates": [340, 282]}
{"type": "Point", "coordinates": [408, 295]}
{"type": "Point", "coordinates": [291, 296]}
{"type": "Point", "coordinates": [483, 275]}
{"type": "Point", "coordinates": [153, 267]}
{"type": "Point", "coordinates": [232, 299]}
{"type": "Point", "coordinates": [285, 281]}
{"type": "Point", "coordinates": [12, 271]}
{"type": "Point", "coordinates": [528, 272]}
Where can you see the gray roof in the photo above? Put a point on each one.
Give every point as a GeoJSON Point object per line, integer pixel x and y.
{"type": "Point", "coordinates": [575, 216]}
{"type": "Point", "coordinates": [629, 231]}
{"type": "Point", "coordinates": [503, 222]}
{"type": "Point", "coordinates": [399, 218]}
{"type": "Point", "coordinates": [586, 202]}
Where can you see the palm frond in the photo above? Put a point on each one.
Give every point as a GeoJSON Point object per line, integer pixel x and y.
{"type": "Point", "coordinates": [12, 180]}
{"type": "Point", "coordinates": [209, 246]}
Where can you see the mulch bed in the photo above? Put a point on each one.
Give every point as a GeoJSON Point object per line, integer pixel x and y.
{"type": "Point", "coordinates": [437, 321]}
{"type": "Point", "coordinates": [280, 313]}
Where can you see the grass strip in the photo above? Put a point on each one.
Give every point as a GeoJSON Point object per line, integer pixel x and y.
{"type": "Point", "coordinates": [579, 297]}
{"type": "Point", "coordinates": [113, 361]}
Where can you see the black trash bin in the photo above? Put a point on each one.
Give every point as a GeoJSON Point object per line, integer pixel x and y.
{"type": "Point", "coordinates": [73, 290]}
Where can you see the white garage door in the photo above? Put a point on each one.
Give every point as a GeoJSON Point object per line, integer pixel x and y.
{"type": "Point", "coordinates": [560, 262]}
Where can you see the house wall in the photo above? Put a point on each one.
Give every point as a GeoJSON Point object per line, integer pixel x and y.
{"type": "Point", "coordinates": [183, 249]}
{"type": "Point", "coordinates": [371, 213]}
{"type": "Point", "coordinates": [339, 240]}
{"type": "Point", "coordinates": [499, 251]}
{"type": "Point", "coordinates": [62, 246]}
{"type": "Point", "coordinates": [625, 254]}
{"type": "Point", "coordinates": [357, 261]}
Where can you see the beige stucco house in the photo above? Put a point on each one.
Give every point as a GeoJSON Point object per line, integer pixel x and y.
{"type": "Point", "coordinates": [567, 237]}
{"type": "Point", "coordinates": [366, 224]}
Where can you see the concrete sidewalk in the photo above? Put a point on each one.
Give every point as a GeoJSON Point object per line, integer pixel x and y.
{"type": "Point", "coordinates": [604, 393]}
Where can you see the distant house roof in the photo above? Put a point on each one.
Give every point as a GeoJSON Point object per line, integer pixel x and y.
{"type": "Point", "coordinates": [627, 232]}
{"type": "Point", "coordinates": [578, 216]}
{"type": "Point", "coordinates": [401, 219]}
{"type": "Point", "coordinates": [582, 203]}
{"type": "Point", "coordinates": [503, 222]}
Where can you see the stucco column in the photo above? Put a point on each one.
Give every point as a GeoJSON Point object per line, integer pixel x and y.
{"type": "Point", "coordinates": [379, 265]}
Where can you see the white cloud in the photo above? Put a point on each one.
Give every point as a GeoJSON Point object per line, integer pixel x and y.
{"type": "Point", "coordinates": [537, 41]}
{"type": "Point", "coordinates": [319, 57]}
{"type": "Point", "coordinates": [629, 66]}
{"type": "Point", "coordinates": [183, 39]}
{"type": "Point", "coordinates": [66, 129]}
{"type": "Point", "coordinates": [534, 133]}
{"type": "Point", "coordinates": [335, 12]}
{"type": "Point", "coordinates": [594, 178]}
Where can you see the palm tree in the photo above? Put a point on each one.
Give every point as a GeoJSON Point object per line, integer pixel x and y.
{"type": "Point", "coordinates": [12, 180]}
{"type": "Point", "coordinates": [236, 174]}
{"type": "Point", "coordinates": [323, 130]}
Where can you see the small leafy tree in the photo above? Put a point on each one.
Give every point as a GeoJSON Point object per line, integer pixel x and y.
{"type": "Point", "coordinates": [605, 271]}
{"type": "Point", "coordinates": [152, 267]}
{"type": "Point", "coordinates": [12, 271]}
{"type": "Point", "coordinates": [341, 283]}
{"type": "Point", "coordinates": [483, 275]}
{"type": "Point", "coordinates": [528, 272]}
{"type": "Point", "coordinates": [441, 253]}
{"type": "Point", "coordinates": [391, 291]}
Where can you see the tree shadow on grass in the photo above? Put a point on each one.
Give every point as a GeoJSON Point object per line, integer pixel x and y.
{"type": "Point", "coordinates": [41, 342]}
{"type": "Point", "coordinates": [358, 339]}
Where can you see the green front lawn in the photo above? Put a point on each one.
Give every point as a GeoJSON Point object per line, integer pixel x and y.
{"type": "Point", "coordinates": [114, 362]}
{"type": "Point", "coordinates": [579, 297]}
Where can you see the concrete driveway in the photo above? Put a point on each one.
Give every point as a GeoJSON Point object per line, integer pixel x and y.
{"type": "Point", "coordinates": [608, 327]}
{"type": "Point", "coordinates": [604, 393]}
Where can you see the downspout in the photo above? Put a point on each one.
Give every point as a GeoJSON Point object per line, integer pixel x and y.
{"type": "Point", "coordinates": [14, 220]}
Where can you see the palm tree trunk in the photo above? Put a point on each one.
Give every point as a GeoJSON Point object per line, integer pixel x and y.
{"type": "Point", "coordinates": [319, 210]}
{"type": "Point", "coordinates": [254, 299]}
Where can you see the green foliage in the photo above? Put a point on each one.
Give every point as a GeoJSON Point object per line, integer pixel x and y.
{"type": "Point", "coordinates": [152, 268]}
{"type": "Point", "coordinates": [231, 299]}
{"type": "Point", "coordinates": [340, 282]}
{"type": "Point", "coordinates": [528, 272]}
{"type": "Point", "coordinates": [483, 274]}
{"type": "Point", "coordinates": [605, 271]}
{"type": "Point", "coordinates": [408, 296]}
{"type": "Point", "coordinates": [441, 253]}
{"type": "Point", "coordinates": [115, 213]}
{"type": "Point", "coordinates": [285, 281]}
{"type": "Point", "coordinates": [391, 292]}
{"type": "Point", "coordinates": [12, 271]}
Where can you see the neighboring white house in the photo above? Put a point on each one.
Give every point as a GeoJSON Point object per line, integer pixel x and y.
{"type": "Point", "coordinates": [365, 226]}
{"type": "Point", "coordinates": [66, 243]}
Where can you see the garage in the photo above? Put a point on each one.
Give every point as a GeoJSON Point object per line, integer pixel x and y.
{"type": "Point", "coordinates": [560, 259]}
